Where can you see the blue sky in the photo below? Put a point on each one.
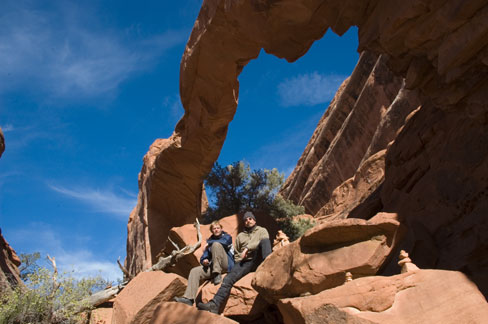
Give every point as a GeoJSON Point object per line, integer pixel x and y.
{"type": "Point", "coordinates": [86, 87]}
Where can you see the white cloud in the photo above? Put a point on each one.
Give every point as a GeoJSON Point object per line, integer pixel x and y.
{"type": "Point", "coordinates": [173, 104]}
{"type": "Point", "coordinates": [65, 52]}
{"type": "Point", "coordinates": [309, 89]}
{"type": "Point", "coordinates": [105, 201]}
{"type": "Point", "coordinates": [80, 263]}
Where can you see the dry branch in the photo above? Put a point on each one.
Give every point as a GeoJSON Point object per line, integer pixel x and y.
{"type": "Point", "coordinates": [177, 254]}
{"type": "Point", "coordinates": [127, 276]}
{"type": "Point", "coordinates": [101, 297]}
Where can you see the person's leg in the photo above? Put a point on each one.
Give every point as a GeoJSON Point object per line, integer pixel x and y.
{"type": "Point", "coordinates": [264, 249]}
{"type": "Point", "coordinates": [219, 258]}
{"type": "Point", "coordinates": [197, 274]}
{"type": "Point", "coordinates": [238, 271]}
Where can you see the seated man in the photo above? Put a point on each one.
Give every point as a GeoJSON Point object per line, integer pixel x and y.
{"type": "Point", "coordinates": [217, 258]}
{"type": "Point", "coordinates": [252, 246]}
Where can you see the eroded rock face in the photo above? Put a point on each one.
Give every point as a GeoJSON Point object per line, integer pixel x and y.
{"type": "Point", "coordinates": [150, 221]}
{"type": "Point", "coordinates": [101, 315]}
{"type": "Point", "coordinates": [444, 296]}
{"type": "Point", "coordinates": [435, 173]}
{"type": "Point", "coordinates": [321, 257]}
{"type": "Point", "coordinates": [177, 313]}
{"type": "Point", "coordinates": [2, 143]}
{"type": "Point", "coordinates": [350, 127]}
{"type": "Point", "coordinates": [137, 302]}
{"type": "Point", "coordinates": [243, 303]}
{"type": "Point", "coordinates": [9, 263]}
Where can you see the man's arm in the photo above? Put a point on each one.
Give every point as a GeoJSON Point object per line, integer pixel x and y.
{"type": "Point", "coordinates": [238, 255]}
{"type": "Point", "coordinates": [205, 258]}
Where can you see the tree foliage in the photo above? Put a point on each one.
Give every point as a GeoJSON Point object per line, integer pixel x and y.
{"type": "Point", "coordinates": [46, 296]}
{"type": "Point", "coordinates": [236, 188]}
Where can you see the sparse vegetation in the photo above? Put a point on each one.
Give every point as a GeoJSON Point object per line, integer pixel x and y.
{"type": "Point", "coordinates": [46, 296]}
{"type": "Point", "coordinates": [236, 188]}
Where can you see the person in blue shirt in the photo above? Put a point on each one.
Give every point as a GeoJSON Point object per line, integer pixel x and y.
{"type": "Point", "coordinates": [217, 258]}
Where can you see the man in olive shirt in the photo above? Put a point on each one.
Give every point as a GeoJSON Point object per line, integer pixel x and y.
{"type": "Point", "coordinates": [252, 247]}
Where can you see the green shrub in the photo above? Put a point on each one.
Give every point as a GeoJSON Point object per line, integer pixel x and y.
{"type": "Point", "coordinates": [46, 296]}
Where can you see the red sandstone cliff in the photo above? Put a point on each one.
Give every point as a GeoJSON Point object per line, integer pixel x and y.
{"type": "Point", "coordinates": [9, 261]}
{"type": "Point", "coordinates": [436, 166]}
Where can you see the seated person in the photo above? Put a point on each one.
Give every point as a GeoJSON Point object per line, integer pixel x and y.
{"type": "Point", "coordinates": [217, 258]}
{"type": "Point", "coordinates": [252, 246]}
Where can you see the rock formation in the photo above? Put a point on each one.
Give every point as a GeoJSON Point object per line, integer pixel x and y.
{"type": "Point", "coordinates": [345, 130]}
{"type": "Point", "coordinates": [243, 303]}
{"type": "Point", "coordinates": [2, 143]}
{"type": "Point", "coordinates": [176, 313]}
{"type": "Point", "coordinates": [420, 296]}
{"type": "Point", "coordinates": [405, 134]}
{"type": "Point", "coordinates": [321, 257]}
{"type": "Point", "coordinates": [138, 301]}
{"type": "Point", "coordinates": [160, 187]}
{"type": "Point", "coordinates": [9, 261]}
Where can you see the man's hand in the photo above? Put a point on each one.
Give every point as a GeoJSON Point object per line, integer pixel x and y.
{"type": "Point", "coordinates": [244, 253]}
{"type": "Point", "coordinates": [205, 262]}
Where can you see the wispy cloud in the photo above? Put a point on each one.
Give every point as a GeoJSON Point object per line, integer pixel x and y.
{"type": "Point", "coordinates": [66, 53]}
{"type": "Point", "coordinates": [282, 154]}
{"type": "Point", "coordinates": [7, 128]}
{"type": "Point", "coordinates": [173, 104]}
{"type": "Point", "coordinates": [80, 262]}
{"type": "Point", "coordinates": [104, 201]}
{"type": "Point", "coordinates": [309, 89]}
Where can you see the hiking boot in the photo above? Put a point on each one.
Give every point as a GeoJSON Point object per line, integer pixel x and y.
{"type": "Point", "coordinates": [217, 279]}
{"type": "Point", "coordinates": [184, 300]}
{"type": "Point", "coordinates": [209, 307]}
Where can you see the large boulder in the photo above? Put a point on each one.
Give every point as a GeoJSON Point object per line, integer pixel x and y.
{"type": "Point", "coordinates": [139, 299]}
{"type": "Point", "coordinates": [102, 315]}
{"type": "Point", "coordinates": [177, 313]}
{"type": "Point", "coordinates": [420, 296]}
{"type": "Point", "coordinates": [243, 302]}
{"type": "Point", "coordinates": [320, 259]}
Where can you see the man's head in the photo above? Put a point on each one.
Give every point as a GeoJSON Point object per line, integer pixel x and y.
{"type": "Point", "coordinates": [216, 228]}
{"type": "Point", "coordinates": [249, 219]}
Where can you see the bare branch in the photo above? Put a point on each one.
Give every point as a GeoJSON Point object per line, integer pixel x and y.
{"type": "Point", "coordinates": [127, 275]}
{"type": "Point", "coordinates": [164, 262]}
{"type": "Point", "coordinates": [174, 244]}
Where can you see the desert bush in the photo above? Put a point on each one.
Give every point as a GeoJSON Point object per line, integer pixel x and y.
{"type": "Point", "coordinates": [46, 296]}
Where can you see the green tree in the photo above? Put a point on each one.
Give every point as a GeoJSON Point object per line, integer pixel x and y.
{"type": "Point", "coordinates": [236, 188]}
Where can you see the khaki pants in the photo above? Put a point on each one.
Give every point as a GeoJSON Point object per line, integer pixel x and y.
{"type": "Point", "coordinates": [218, 264]}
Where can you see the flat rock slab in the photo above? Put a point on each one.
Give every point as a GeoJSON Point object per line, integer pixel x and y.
{"type": "Point", "coordinates": [421, 296]}
{"type": "Point", "coordinates": [178, 313]}
{"type": "Point", "coordinates": [320, 259]}
{"type": "Point", "coordinates": [138, 300]}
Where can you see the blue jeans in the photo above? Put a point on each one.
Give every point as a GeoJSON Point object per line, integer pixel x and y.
{"type": "Point", "coordinates": [241, 269]}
